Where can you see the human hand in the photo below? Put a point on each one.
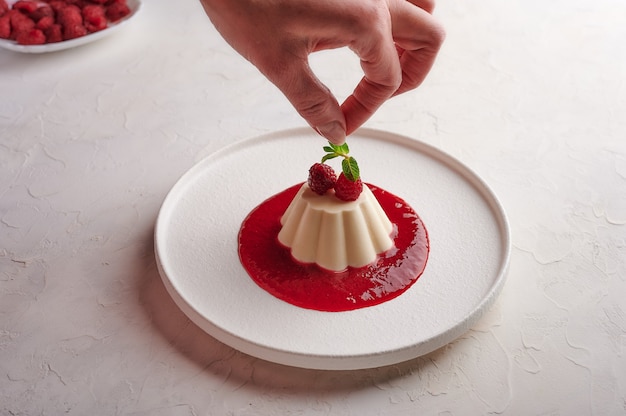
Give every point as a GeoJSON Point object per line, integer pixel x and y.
{"type": "Point", "coordinates": [396, 41]}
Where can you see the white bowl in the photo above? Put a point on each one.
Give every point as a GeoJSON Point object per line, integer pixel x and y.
{"type": "Point", "coordinates": [134, 5]}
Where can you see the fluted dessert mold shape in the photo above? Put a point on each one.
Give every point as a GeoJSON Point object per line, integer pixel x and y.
{"type": "Point", "coordinates": [335, 234]}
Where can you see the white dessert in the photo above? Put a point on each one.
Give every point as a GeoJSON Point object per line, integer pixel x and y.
{"type": "Point", "coordinates": [335, 234]}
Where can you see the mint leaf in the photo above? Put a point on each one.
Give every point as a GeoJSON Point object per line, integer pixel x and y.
{"type": "Point", "coordinates": [350, 168]}
{"type": "Point", "coordinates": [348, 165]}
{"type": "Point", "coordinates": [339, 149]}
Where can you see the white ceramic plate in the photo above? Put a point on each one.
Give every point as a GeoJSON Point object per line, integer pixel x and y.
{"type": "Point", "coordinates": [196, 251]}
{"type": "Point", "coordinates": [134, 6]}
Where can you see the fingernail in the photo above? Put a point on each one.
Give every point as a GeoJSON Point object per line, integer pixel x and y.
{"type": "Point", "coordinates": [333, 132]}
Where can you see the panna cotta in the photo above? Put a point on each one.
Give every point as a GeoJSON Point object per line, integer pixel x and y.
{"type": "Point", "coordinates": [272, 266]}
{"type": "Point", "coordinates": [335, 234]}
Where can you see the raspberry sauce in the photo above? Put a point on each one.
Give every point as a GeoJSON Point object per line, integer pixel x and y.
{"type": "Point", "coordinates": [272, 267]}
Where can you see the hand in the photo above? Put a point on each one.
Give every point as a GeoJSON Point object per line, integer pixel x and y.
{"type": "Point", "coordinates": [396, 40]}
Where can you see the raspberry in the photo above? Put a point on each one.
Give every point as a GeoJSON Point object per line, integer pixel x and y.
{"type": "Point", "coordinates": [69, 16]}
{"type": "Point", "coordinates": [54, 33]}
{"type": "Point", "coordinates": [4, 7]}
{"type": "Point", "coordinates": [94, 18]}
{"type": "Point", "coordinates": [73, 31]}
{"type": "Point", "coordinates": [45, 22]}
{"type": "Point", "coordinates": [5, 27]}
{"type": "Point", "coordinates": [71, 19]}
{"type": "Point", "coordinates": [31, 37]}
{"type": "Point", "coordinates": [57, 5]}
{"type": "Point", "coordinates": [322, 177]}
{"type": "Point", "coordinates": [19, 23]}
{"type": "Point", "coordinates": [41, 12]}
{"type": "Point", "coordinates": [78, 3]}
{"type": "Point", "coordinates": [347, 190]}
{"type": "Point", "coordinates": [116, 11]}
{"type": "Point", "coordinates": [25, 6]}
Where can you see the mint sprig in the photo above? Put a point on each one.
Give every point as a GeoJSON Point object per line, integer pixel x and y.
{"type": "Point", "coordinates": [349, 166]}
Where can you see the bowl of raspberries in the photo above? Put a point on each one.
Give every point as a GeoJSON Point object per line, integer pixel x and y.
{"type": "Point", "coordinates": [35, 26]}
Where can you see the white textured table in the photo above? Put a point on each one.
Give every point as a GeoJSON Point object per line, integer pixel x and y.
{"type": "Point", "coordinates": [529, 94]}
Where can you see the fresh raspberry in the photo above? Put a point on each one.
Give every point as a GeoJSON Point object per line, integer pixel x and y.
{"type": "Point", "coordinates": [322, 177]}
{"type": "Point", "coordinates": [116, 11]}
{"type": "Point", "coordinates": [73, 32]}
{"type": "Point", "coordinates": [347, 190]}
{"type": "Point", "coordinates": [4, 7]}
{"type": "Point", "coordinates": [19, 23]}
{"type": "Point", "coordinates": [71, 20]}
{"type": "Point", "coordinates": [5, 27]}
{"type": "Point", "coordinates": [69, 16]}
{"type": "Point", "coordinates": [45, 22]}
{"type": "Point", "coordinates": [41, 12]}
{"type": "Point", "coordinates": [111, 2]}
{"type": "Point", "coordinates": [31, 37]}
{"type": "Point", "coordinates": [25, 6]}
{"type": "Point", "coordinates": [78, 3]}
{"type": "Point", "coordinates": [94, 18]}
{"type": "Point", "coordinates": [57, 5]}
{"type": "Point", "coordinates": [54, 33]}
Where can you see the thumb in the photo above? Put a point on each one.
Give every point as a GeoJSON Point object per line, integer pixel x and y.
{"type": "Point", "coordinates": [312, 100]}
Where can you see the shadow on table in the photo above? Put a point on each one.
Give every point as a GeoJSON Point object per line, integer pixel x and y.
{"type": "Point", "coordinates": [214, 357]}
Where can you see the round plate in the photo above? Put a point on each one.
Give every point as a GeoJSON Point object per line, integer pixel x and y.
{"type": "Point", "coordinates": [196, 250]}
{"type": "Point", "coordinates": [134, 6]}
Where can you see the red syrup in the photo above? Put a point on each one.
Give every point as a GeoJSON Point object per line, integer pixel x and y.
{"type": "Point", "coordinates": [272, 267]}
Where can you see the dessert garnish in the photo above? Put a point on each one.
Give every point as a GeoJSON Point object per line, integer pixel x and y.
{"type": "Point", "coordinates": [322, 177]}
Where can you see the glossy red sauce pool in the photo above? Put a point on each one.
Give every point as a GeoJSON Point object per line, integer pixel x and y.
{"type": "Point", "coordinates": [271, 266]}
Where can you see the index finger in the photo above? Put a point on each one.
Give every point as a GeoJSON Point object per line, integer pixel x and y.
{"type": "Point", "coordinates": [418, 37]}
{"type": "Point", "coordinates": [381, 68]}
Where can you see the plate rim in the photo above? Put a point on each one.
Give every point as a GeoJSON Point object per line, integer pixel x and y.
{"type": "Point", "coordinates": [345, 361]}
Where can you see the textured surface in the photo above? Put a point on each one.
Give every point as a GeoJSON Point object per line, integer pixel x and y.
{"type": "Point", "coordinates": [530, 94]}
